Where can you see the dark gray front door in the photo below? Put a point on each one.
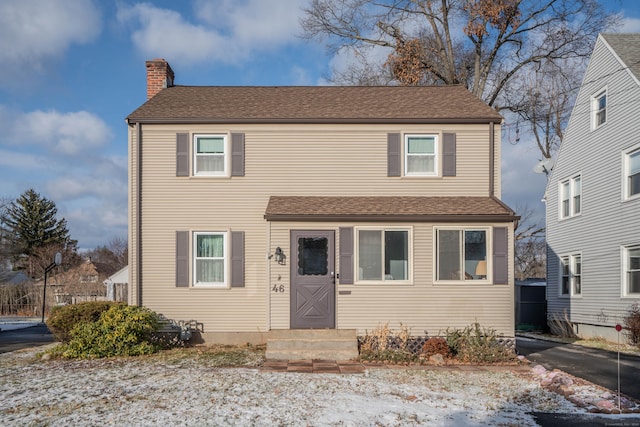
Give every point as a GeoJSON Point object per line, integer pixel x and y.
{"type": "Point", "coordinates": [312, 280]}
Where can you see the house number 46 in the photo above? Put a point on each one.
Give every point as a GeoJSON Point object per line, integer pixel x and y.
{"type": "Point", "coordinates": [278, 288]}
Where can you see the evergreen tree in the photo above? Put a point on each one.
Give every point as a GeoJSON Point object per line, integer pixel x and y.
{"type": "Point", "coordinates": [32, 225]}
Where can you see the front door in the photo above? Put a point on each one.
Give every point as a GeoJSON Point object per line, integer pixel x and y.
{"type": "Point", "coordinates": [312, 280]}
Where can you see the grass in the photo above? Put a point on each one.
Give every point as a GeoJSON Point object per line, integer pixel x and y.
{"type": "Point", "coordinates": [599, 343]}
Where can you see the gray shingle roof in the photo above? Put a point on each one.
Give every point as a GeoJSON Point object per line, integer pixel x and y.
{"type": "Point", "coordinates": [315, 104]}
{"type": "Point", "coordinates": [397, 208]}
{"type": "Point", "coordinates": [627, 47]}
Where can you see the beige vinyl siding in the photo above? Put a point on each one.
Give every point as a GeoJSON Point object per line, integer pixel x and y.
{"type": "Point", "coordinates": [422, 305]}
{"type": "Point", "coordinates": [309, 160]}
{"type": "Point", "coordinates": [133, 216]}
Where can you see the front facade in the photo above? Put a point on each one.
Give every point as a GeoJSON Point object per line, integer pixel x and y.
{"type": "Point", "coordinates": [593, 196]}
{"type": "Point", "coordinates": [262, 208]}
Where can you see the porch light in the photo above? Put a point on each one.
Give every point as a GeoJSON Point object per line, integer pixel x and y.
{"type": "Point", "coordinates": [280, 257]}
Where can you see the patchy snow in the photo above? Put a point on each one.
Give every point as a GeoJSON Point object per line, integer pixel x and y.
{"type": "Point", "coordinates": [153, 391]}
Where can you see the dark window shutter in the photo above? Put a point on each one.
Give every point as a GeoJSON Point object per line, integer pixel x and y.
{"type": "Point", "coordinates": [182, 259]}
{"type": "Point", "coordinates": [237, 259]}
{"type": "Point", "coordinates": [500, 256]}
{"type": "Point", "coordinates": [394, 163]}
{"type": "Point", "coordinates": [182, 154]}
{"type": "Point", "coordinates": [237, 154]}
{"type": "Point", "coordinates": [449, 154]}
{"type": "Point", "coordinates": [346, 256]}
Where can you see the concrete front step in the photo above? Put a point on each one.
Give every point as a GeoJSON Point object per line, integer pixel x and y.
{"type": "Point", "coordinates": [299, 344]}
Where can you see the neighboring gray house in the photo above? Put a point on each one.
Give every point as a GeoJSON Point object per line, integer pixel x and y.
{"type": "Point", "coordinates": [593, 195]}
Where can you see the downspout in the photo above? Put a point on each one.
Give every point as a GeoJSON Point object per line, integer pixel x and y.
{"type": "Point", "coordinates": [492, 160]}
{"type": "Point", "coordinates": [139, 214]}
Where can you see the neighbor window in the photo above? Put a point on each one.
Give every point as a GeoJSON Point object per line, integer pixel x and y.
{"type": "Point", "coordinates": [571, 196]}
{"type": "Point", "coordinates": [599, 109]}
{"type": "Point", "coordinates": [210, 152]}
{"type": "Point", "coordinates": [210, 250]}
{"type": "Point", "coordinates": [461, 254]}
{"type": "Point", "coordinates": [383, 254]}
{"type": "Point", "coordinates": [632, 270]}
{"type": "Point", "coordinates": [571, 274]}
{"type": "Point", "coordinates": [421, 155]}
{"type": "Point", "coordinates": [632, 173]}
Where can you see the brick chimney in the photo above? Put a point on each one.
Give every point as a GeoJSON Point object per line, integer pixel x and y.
{"type": "Point", "coordinates": [159, 76]}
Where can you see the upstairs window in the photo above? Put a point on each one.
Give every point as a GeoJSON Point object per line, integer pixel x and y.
{"type": "Point", "coordinates": [632, 173]}
{"type": "Point", "coordinates": [421, 155]}
{"type": "Point", "coordinates": [570, 196]}
{"type": "Point", "coordinates": [210, 155]}
{"type": "Point", "coordinates": [599, 109]}
{"type": "Point", "coordinates": [571, 275]}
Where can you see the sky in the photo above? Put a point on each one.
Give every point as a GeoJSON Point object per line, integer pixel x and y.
{"type": "Point", "coordinates": [72, 70]}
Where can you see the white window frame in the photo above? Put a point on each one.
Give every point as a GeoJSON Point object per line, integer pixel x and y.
{"type": "Point", "coordinates": [435, 155]}
{"type": "Point", "coordinates": [225, 155]}
{"type": "Point", "coordinates": [567, 191]}
{"type": "Point", "coordinates": [596, 110]}
{"type": "Point", "coordinates": [488, 257]}
{"type": "Point", "coordinates": [627, 172]}
{"type": "Point", "coordinates": [408, 280]}
{"type": "Point", "coordinates": [225, 258]}
{"type": "Point", "coordinates": [625, 270]}
{"type": "Point", "coordinates": [573, 275]}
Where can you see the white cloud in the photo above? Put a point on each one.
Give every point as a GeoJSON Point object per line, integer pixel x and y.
{"type": "Point", "coordinates": [34, 32]}
{"type": "Point", "coordinates": [59, 133]}
{"type": "Point", "coordinates": [630, 25]}
{"type": "Point", "coordinates": [228, 32]}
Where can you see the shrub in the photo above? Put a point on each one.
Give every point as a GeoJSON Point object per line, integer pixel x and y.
{"type": "Point", "coordinates": [64, 318]}
{"type": "Point", "coordinates": [382, 345]}
{"type": "Point", "coordinates": [476, 344]}
{"type": "Point", "coordinates": [120, 331]}
{"type": "Point", "coordinates": [436, 345]}
{"type": "Point", "coordinates": [632, 325]}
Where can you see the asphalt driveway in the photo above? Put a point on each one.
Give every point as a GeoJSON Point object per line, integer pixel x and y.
{"type": "Point", "coordinates": [18, 339]}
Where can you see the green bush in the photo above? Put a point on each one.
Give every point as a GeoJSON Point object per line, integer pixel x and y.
{"type": "Point", "coordinates": [64, 318]}
{"type": "Point", "coordinates": [476, 344]}
{"type": "Point", "coordinates": [120, 331]}
{"type": "Point", "coordinates": [632, 325]}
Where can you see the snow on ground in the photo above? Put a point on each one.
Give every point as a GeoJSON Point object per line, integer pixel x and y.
{"type": "Point", "coordinates": [153, 391]}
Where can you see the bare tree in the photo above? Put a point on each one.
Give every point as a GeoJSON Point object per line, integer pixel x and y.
{"type": "Point", "coordinates": [483, 44]}
{"type": "Point", "coordinates": [530, 245]}
{"type": "Point", "coordinates": [115, 254]}
{"type": "Point", "coordinates": [520, 56]}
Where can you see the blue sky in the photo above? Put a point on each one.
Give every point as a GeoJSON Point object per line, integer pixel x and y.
{"type": "Point", "coordinates": [72, 70]}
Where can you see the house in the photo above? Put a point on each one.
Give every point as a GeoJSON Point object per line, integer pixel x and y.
{"type": "Point", "coordinates": [255, 209]}
{"type": "Point", "coordinates": [117, 285]}
{"type": "Point", "coordinates": [593, 196]}
{"type": "Point", "coordinates": [83, 282]}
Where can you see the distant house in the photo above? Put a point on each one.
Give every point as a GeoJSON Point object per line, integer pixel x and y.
{"type": "Point", "coordinates": [84, 282]}
{"type": "Point", "coordinates": [593, 195]}
{"type": "Point", "coordinates": [117, 285]}
{"type": "Point", "coordinates": [255, 209]}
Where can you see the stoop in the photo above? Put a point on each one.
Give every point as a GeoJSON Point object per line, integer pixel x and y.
{"type": "Point", "coordinates": [298, 344]}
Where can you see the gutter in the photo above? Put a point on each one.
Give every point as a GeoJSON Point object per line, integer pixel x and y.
{"type": "Point", "coordinates": [284, 120]}
{"type": "Point", "coordinates": [492, 160]}
{"type": "Point", "coordinates": [394, 218]}
{"type": "Point", "coordinates": [139, 214]}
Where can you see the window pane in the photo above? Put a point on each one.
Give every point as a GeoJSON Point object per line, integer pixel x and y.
{"type": "Point", "coordinates": [211, 245]}
{"type": "Point", "coordinates": [421, 145]}
{"type": "Point", "coordinates": [564, 195]}
{"type": "Point", "coordinates": [313, 256]}
{"type": "Point", "coordinates": [370, 255]}
{"type": "Point", "coordinates": [633, 272]}
{"type": "Point", "coordinates": [396, 255]}
{"type": "Point", "coordinates": [633, 278]}
{"type": "Point", "coordinates": [577, 192]}
{"type": "Point", "coordinates": [209, 271]}
{"type": "Point", "coordinates": [210, 163]}
{"type": "Point", "coordinates": [448, 255]}
{"type": "Point", "coordinates": [577, 275]}
{"type": "Point", "coordinates": [565, 275]}
{"type": "Point", "coordinates": [475, 250]}
{"type": "Point", "coordinates": [634, 184]}
{"type": "Point", "coordinates": [210, 145]}
{"type": "Point", "coordinates": [420, 164]}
